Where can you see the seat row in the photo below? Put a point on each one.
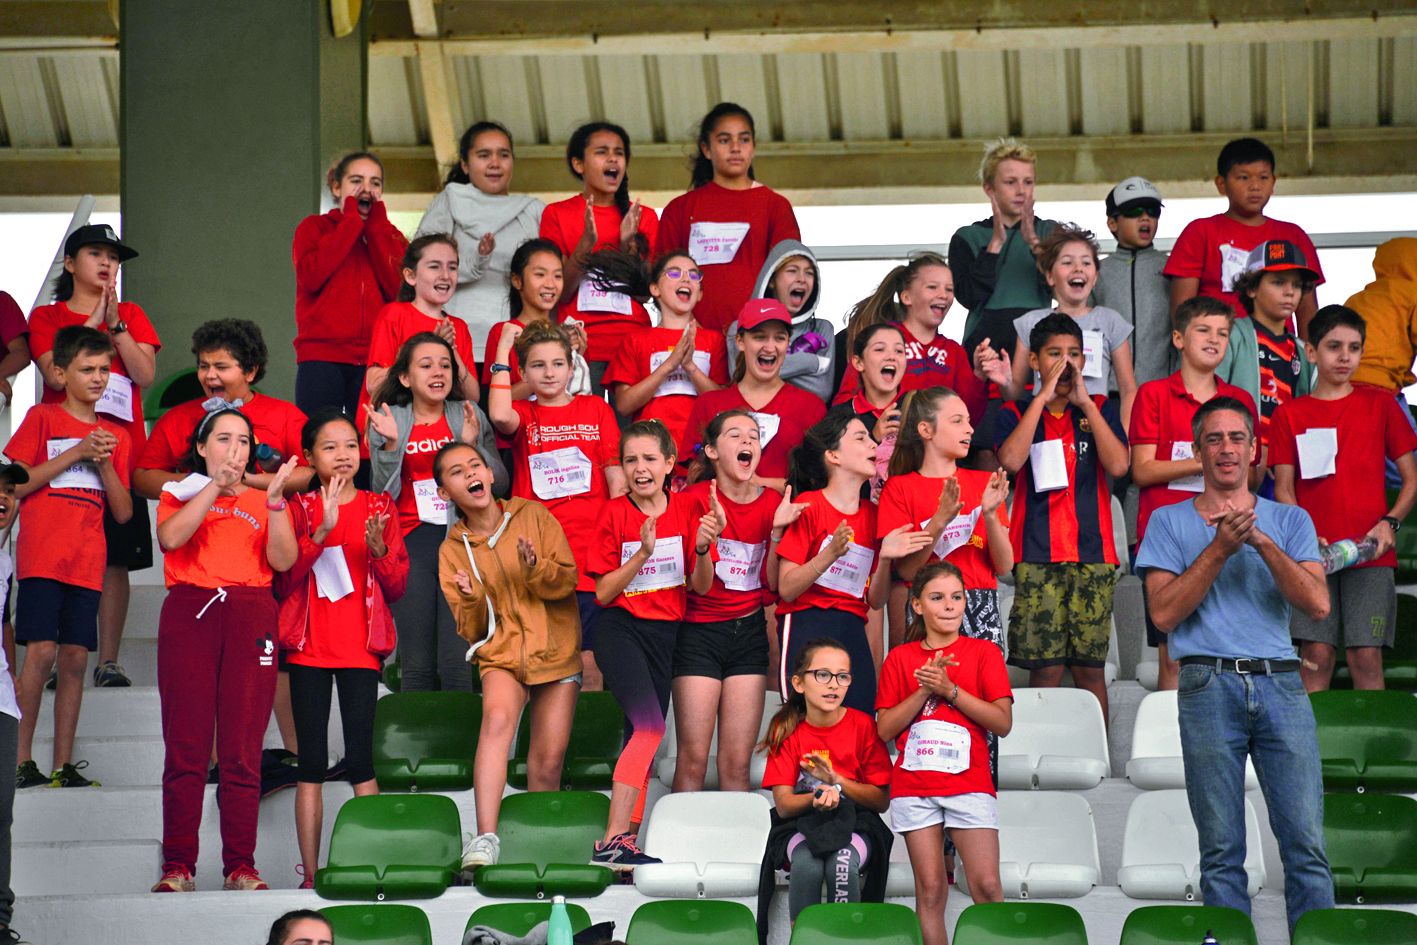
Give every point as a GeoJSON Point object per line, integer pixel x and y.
{"type": "Point", "coordinates": [715, 922]}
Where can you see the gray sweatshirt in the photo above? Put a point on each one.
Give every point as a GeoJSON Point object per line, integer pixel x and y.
{"type": "Point", "coordinates": [385, 465]}
{"type": "Point", "coordinates": [811, 372]}
{"type": "Point", "coordinates": [1130, 282]}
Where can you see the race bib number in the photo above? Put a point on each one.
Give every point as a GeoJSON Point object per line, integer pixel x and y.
{"type": "Point", "coordinates": [740, 564]}
{"type": "Point", "coordinates": [712, 243]}
{"type": "Point", "coordinates": [956, 533]}
{"type": "Point", "coordinates": [664, 569]}
{"type": "Point", "coordinates": [936, 746]}
{"type": "Point", "coordinates": [768, 425]}
{"type": "Point", "coordinates": [117, 399]}
{"type": "Point", "coordinates": [1094, 348]}
{"type": "Point", "coordinates": [1194, 483]}
{"type": "Point", "coordinates": [590, 298]}
{"type": "Point", "coordinates": [1232, 265]}
{"type": "Point", "coordinates": [81, 475]}
{"type": "Point", "coordinates": [559, 473]}
{"type": "Point", "coordinates": [432, 508]}
{"type": "Point", "coordinates": [849, 573]}
{"type": "Point", "coordinates": [678, 383]}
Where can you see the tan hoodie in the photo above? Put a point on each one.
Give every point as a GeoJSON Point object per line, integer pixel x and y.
{"type": "Point", "coordinates": [1389, 305]}
{"type": "Point", "coordinates": [537, 635]}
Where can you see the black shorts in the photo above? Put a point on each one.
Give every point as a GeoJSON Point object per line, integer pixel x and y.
{"type": "Point", "coordinates": [723, 648]}
{"type": "Point", "coordinates": [130, 545]}
{"type": "Point", "coordinates": [590, 612]}
{"type": "Point", "coordinates": [50, 611]}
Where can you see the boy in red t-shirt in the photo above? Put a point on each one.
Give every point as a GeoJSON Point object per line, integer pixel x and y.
{"type": "Point", "coordinates": [1211, 252]}
{"type": "Point", "coordinates": [1164, 466]}
{"type": "Point", "coordinates": [1327, 451]}
{"type": "Point", "coordinates": [78, 467]}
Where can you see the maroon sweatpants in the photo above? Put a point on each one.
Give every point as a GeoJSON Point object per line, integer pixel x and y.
{"type": "Point", "coordinates": [216, 672]}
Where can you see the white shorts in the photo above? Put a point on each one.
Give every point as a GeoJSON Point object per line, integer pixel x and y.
{"type": "Point", "coordinates": [965, 811]}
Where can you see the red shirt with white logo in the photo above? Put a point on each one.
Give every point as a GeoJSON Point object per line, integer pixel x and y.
{"type": "Point", "coordinates": [423, 441]}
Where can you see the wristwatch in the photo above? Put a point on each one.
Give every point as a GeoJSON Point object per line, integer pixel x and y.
{"type": "Point", "coordinates": [500, 369]}
{"type": "Point", "coordinates": [1393, 522]}
{"type": "Point", "coordinates": [118, 328]}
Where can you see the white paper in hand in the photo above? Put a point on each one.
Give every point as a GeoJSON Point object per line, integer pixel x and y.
{"type": "Point", "coordinates": [184, 489]}
{"type": "Point", "coordinates": [1049, 468]}
{"type": "Point", "coordinates": [117, 399]}
{"type": "Point", "coordinates": [1318, 448]}
{"type": "Point", "coordinates": [956, 533]}
{"type": "Point", "coordinates": [1182, 450]}
{"type": "Point", "coordinates": [332, 580]}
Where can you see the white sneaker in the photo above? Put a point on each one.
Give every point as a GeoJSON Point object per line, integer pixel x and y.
{"type": "Point", "coordinates": [481, 850]}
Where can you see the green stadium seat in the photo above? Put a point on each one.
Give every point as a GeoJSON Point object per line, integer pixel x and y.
{"type": "Point", "coordinates": [1355, 927]}
{"type": "Point", "coordinates": [379, 925]}
{"type": "Point", "coordinates": [547, 838]}
{"type": "Point", "coordinates": [1367, 740]}
{"type": "Point", "coordinates": [425, 741]}
{"type": "Point", "coordinates": [1400, 662]}
{"type": "Point", "coordinates": [1033, 923]}
{"type": "Point", "coordinates": [1187, 925]}
{"type": "Point", "coordinates": [1371, 841]}
{"type": "Point", "coordinates": [166, 393]}
{"type": "Point", "coordinates": [1406, 546]}
{"type": "Point", "coordinates": [393, 675]}
{"type": "Point", "coordinates": [392, 846]}
{"type": "Point", "coordinates": [597, 735]}
{"type": "Point", "coordinates": [519, 918]}
{"type": "Point", "coordinates": [844, 923]}
{"type": "Point", "coordinates": [702, 921]}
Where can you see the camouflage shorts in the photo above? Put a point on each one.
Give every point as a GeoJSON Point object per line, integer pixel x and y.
{"type": "Point", "coordinates": [1062, 614]}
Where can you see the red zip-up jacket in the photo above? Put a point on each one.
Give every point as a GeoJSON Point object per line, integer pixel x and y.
{"type": "Point", "coordinates": [346, 270]}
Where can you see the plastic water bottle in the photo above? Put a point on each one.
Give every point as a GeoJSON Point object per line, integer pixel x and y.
{"type": "Point", "coordinates": [1346, 553]}
{"type": "Point", "coordinates": [1209, 938]}
{"type": "Point", "coordinates": [558, 930]}
{"type": "Point", "coordinates": [268, 457]}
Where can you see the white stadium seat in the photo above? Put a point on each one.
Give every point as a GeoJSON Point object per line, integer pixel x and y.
{"type": "Point", "coordinates": [1161, 852]}
{"type": "Point", "coordinates": [669, 749]}
{"type": "Point", "coordinates": [711, 842]}
{"type": "Point", "coordinates": [1047, 846]}
{"type": "Point", "coordinates": [1058, 742]}
{"type": "Point", "coordinates": [1156, 763]}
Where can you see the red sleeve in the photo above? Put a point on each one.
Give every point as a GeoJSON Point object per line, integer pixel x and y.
{"type": "Point", "coordinates": [627, 367]}
{"type": "Point", "coordinates": [649, 225]}
{"type": "Point", "coordinates": [138, 324]}
{"type": "Point", "coordinates": [293, 433]}
{"type": "Point", "coordinates": [551, 228]}
{"type": "Point", "coordinates": [850, 381]}
{"type": "Point", "coordinates": [609, 436]}
{"type": "Point", "coordinates": [1399, 436]}
{"type": "Point", "coordinates": [42, 329]}
{"type": "Point", "coordinates": [121, 454]}
{"type": "Point", "coordinates": [24, 444]}
{"type": "Point", "coordinates": [891, 688]}
{"type": "Point", "coordinates": [165, 445]}
{"type": "Point", "coordinates": [796, 544]}
{"type": "Point", "coordinates": [167, 506]}
{"type": "Point", "coordinates": [384, 339]}
{"type": "Point", "coordinates": [386, 249]}
{"type": "Point", "coordinates": [318, 255]}
{"type": "Point", "coordinates": [673, 232]}
{"type": "Point", "coordinates": [993, 675]}
{"type": "Point", "coordinates": [894, 511]}
{"type": "Point", "coordinates": [12, 319]}
{"type": "Point", "coordinates": [783, 222]}
{"type": "Point", "coordinates": [718, 361]}
{"type": "Point", "coordinates": [494, 337]}
{"type": "Point", "coordinates": [693, 433]}
{"type": "Point", "coordinates": [605, 551]}
{"type": "Point", "coordinates": [1283, 451]}
{"type": "Point", "coordinates": [462, 341]}
{"type": "Point", "coordinates": [875, 763]}
{"type": "Point", "coordinates": [1146, 416]}
{"type": "Point", "coordinates": [973, 391]}
{"type": "Point", "coordinates": [782, 766]}
{"type": "Point", "coordinates": [1187, 259]}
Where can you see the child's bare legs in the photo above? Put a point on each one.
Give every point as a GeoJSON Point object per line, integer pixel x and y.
{"type": "Point", "coordinates": [740, 713]}
{"type": "Point", "coordinates": [310, 819]}
{"type": "Point", "coordinates": [926, 847]}
{"type": "Point", "coordinates": [696, 710]}
{"type": "Point", "coordinates": [112, 611]}
{"type": "Point", "coordinates": [285, 715]}
{"type": "Point", "coordinates": [39, 660]}
{"type": "Point", "coordinates": [1094, 680]}
{"type": "Point", "coordinates": [68, 697]}
{"type": "Point", "coordinates": [502, 701]}
{"type": "Point", "coordinates": [553, 708]}
{"type": "Point", "coordinates": [979, 848]}
{"type": "Point", "coordinates": [1366, 665]}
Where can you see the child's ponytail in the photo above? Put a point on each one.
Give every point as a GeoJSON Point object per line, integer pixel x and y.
{"type": "Point", "coordinates": [919, 406]}
{"type": "Point", "coordinates": [883, 305]}
{"type": "Point", "coordinates": [807, 463]}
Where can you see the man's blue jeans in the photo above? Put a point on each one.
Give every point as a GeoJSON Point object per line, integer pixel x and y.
{"type": "Point", "coordinates": [1224, 717]}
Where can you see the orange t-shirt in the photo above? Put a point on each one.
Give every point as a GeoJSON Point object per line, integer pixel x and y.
{"type": "Point", "coordinates": [227, 550]}
{"type": "Point", "coordinates": [61, 524]}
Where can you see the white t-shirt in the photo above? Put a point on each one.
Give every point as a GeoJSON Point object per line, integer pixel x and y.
{"type": "Point", "coordinates": [8, 705]}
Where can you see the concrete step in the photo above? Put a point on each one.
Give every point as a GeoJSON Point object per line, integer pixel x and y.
{"type": "Point", "coordinates": [95, 867]}
{"type": "Point", "coordinates": [115, 760]}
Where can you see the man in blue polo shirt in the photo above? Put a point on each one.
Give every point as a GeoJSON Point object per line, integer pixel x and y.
{"type": "Point", "coordinates": [1222, 572]}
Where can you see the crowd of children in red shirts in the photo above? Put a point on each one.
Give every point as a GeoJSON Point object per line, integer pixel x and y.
{"type": "Point", "coordinates": [669, 475]}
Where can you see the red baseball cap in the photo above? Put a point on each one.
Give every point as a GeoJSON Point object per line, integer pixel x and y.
{"type": "Point", "coordinates": [756, 312]}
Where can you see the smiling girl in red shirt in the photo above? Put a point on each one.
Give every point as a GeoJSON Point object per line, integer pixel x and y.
{"type": "Point", "coordinates": [833, 567]}
{"type": "Point", "coordinates": [600, 217]}
{"type": "Point", "coordinates": [878, 355]}
{"type": "Point", "coordinates": [648, 549]}
{"type": "Point", "coordinates": [537, 273]}
{"type": "Point", "coordinates": [721, 658]}
{"type": "Point", "coordinates": [727, 220]}
{"type": "Point", "coordinates": [783, 412]}
{"type": "Point", "coordinates": [335, 622]}
{"type": "Point", "coordinates": [417, 409]}
{"type": "Point", "coordinates": [658, 372]}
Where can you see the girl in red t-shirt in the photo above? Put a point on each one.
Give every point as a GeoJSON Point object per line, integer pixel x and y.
{"type": "Point", "coordinates": [878, 355]}
{"type": "Point", "coordinates": [417, 409]}
{"type": "Point", "coordinates": [600, 217]}
{"type": "Point", "coordinates": [648, 548]}
{"type": "Point", "coordinates": [962, 509]}
{"type": "Point", "coordinates": [819, 752]}
{"type": "Point", "coordinates": [216, 644]}
{"type": "Point", "coordinates": [721, 658]}
{"type": "Point", "coordinates": [658, 373]}
{"type": "Point", "coordinates": [727, 221]}
{"type": "Point", "coordinates": [940, 693]}
{"type": "Point", "coordinates": [565, 451]}
{"type": "Point", "coordinates": [536, 273]}
{"type": "Point", "coordinates": [335, 622]}
{"type": "Point", "coordinates": [834, 568]}
{"type": "Point", "coordinates": [783, 412]}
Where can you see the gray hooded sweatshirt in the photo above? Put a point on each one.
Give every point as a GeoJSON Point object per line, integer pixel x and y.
{"type": "Point", "coordinates": [1130, 281]}
{"type": "Point", "coordinates": [811, 372]}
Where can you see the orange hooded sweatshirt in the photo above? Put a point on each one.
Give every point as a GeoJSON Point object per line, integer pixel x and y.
{"type": "Point", "coordinates": [1389, 305]}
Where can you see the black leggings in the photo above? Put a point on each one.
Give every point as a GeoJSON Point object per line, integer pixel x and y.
{"type": "Point", "coordinates": [431, 653]}
{"type": "Point", "coordinates": [328, 384]}
{"type": "Point", "coordinates": [310, 703]}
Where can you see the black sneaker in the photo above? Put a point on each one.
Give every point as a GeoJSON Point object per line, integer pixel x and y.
{"type": "Point", "coordinates": [620, 853]}
{"type": "Point", "coordinates": [68, 776]}
{"type": "Point", "coordinates": [9, 936]}
{"type": "Point", "coordinates": [28, 775]}
{"type": "Point", "coordinates": [53, 682]}
{"type": "Point", "coordinates": [213, 774]}
{"type": "Point", "coordinates": [109, 675]}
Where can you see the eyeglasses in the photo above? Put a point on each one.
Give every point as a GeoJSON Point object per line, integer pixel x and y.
{"type": "Point", "coordinates": [825, 676]}
{"type": "Point", "coordinates": [674, 272]}
{"type": "Point", "coordinates": [1132, 213]}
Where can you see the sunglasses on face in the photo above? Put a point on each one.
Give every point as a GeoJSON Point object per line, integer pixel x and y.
{"type": "Point", "coordinates": [825, 676]}
{"type": "Point", "coordinates": [1134, 213]}
{"type": "Point", "coordinates": [675, 272]}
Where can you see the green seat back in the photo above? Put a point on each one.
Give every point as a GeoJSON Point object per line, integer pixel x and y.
{"type": "Point", "coordinates": [1187, 925]}
{"type": "Point", "coordinates": [1371, 841]}
{"type": "Point", "coordinates": [1406, 546]}
{"type": "Point", "coordinates": [379, 925]}
{"type": "Point", "coordinates": [1034, 923]}
{"type": "Point", "coordinates": [597, 735]}
{"type": "Point", "coordinates": [1367, 740]}
{"type": "Point", "coordinates": [167, 392]}
{"type": "Point", "coordinates": [547, 841]}
{"type": "Point", "coordinates": [519, 918]}
{"type": "Point", "coordinates": [393, 675]}
{"type": "Point", "coordinates": [425, 741]}
{"type": "Point", "coordinates": [394, 846]}
{"type": "Point", "coordinates": [839, 923]}
{"type": "Point", "coordinates": [701, 921]}
{"type": "Point", "coordinates": [1355, 927]}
